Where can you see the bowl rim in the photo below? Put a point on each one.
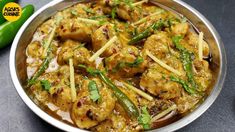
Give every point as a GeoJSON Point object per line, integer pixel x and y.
{"type": "Point", "coordinates": [171, 127]}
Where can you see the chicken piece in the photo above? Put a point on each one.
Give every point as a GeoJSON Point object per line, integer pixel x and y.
{"type": "Point", "coordinates": [187, 102]}
{"type": "Point", "coordinates": [46, 27]}
{"type": "Point", "coordinates": [101, 36]}
{"type": "Point", "coordinates": [156, 81]}
{"type": "Point", "coordinates": [180, 29]}
{"type": "Point", "coordinates": [58, 92]}
{"type": "Point", "coordinates": [118, 121]}
{"type": "Point", "coordinates": [191, 43]}
{"type": "Point", "coordinates": [151, 20]}
{"type": "Point", "coordinates": [86, 113]}
{"type": "Point", "coordinates": [74, 29]}
{"type": "Point", "coordinates": [129, 13]}
{"type": "Point", "coordinates": [158, 44]}
{"type": "Point", "coordinates": [35, 49]}
{"type": "Point", "coordinates": [127, 62]}
{"type": "Point", "coordinates": [75, 50]}
{"type": "Point", "coordinates": [203, 75]}
{"type": "Point", "coordinates": [157, 106]}
{"type": "Point", "coordinates": [64, 72]}
{"type": "Point", "coordinates": [38, 94]}
{"type": "Point", "coordinates": [62, 97]}
{"type": "Point", "coordinates": [123, 9]}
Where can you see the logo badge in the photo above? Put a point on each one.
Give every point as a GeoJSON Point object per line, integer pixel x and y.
{"type": "Point", "coordinates": [11, 11]}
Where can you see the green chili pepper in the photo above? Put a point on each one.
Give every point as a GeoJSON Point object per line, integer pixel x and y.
{"type": "Point", "coordinates": [184, 84]}
{"type": "Point", "coordinates": [136, 63]}
{"type": "Point", "coordinates": [126, 103]}
{"type": "Point", "coordinates": [146, 33]}
{"type": "Point", "coordinates": [2, 4]}
{"type": "Point", "coordinates": [8, 30]}
{"type": "Point", "coordinates": [41, 70]}
{"type": "Point", "coordinates": [186, 58]}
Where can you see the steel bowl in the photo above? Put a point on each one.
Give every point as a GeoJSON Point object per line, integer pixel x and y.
{"type": "Point", "coordinates": [199, 22]}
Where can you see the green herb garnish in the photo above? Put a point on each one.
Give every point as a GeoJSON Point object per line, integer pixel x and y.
{"type": "Point", "coordinates": [98, 17]}
{"type": "Point", "coordinates": [113, 12]}
{"type": "Point", "coordinates": [41, 69]}
{"type": "Point", "coordinates": [186, 58]}
{"type": "Point", "coordinates": [79, 46]}
{"type": "Point", "coordinates": [144, 119]}
{"type": "Point", "coordinates": [74, 12]}
{"type": "Point", "coordinates": [129, 3]}
{"type": "Point", "coordinates": [94, 92]}
{"type": "Point", "coordinates": [90, 70]}
{"type": "Point", "coordinates": [136, 63]}
{"type": "Point", "coordinates": [58, 19]}
{"type": "Point", "coordinates": [126, 103]}
{"type": "Point", "coordinates": [102, 22]}
{"type": "Point", "coordinates": [184, 84]}
{"type": "Point", "coordinates": [45, 84]}
{"type": "Point", "coordinates": [146, 33]}
{"type": "Point", "coordinates": [88, 10]}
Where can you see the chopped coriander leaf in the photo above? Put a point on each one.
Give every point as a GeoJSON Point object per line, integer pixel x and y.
{"type": "Point", "coordinates": [115, 27]}
{"type": "Point", "coordinates": [184, 19]}
{"type": "Point", "coordinates": [74, 12]}
{"type": "Point", "coordinates": [44, 43]}
{"type": "Point", "coordinates": [129, 3]}
{"type": "Point", "coordinates": [176, 40]}
{"type": "Point", "coordinates": [133, 33]}
{"type": "Point", "coordinates": [147, 32]}
{"type": "Point", "coordinates": [94, 92]}
{"type": "Point", "coordinates": [99, 17]}
{"type": "Point", "coordinates": [144, 119]}
{"type": "Point", "coordinates": [45, 84]}
{"type": "Point", "coordinates": [117, 2]}
{"type": "Point", "coordinates": [136, 63]}
{"type": "Point", "coordinates": [90, 70]}
{"type": "Point", "coordinates": [58, 19]}
{"type": "Point", "coordinates": [88, 10]}
{"type": "Point", "coordinates": [102, 22]}
{"type": "Point", "coordinates": [127, 104]}
{"type": "Point", "coordinates": [184, 84]}
{"type": "Point", "coordinates": [113, 12]}
{"type": "Point", "coordinates": [79, 46]}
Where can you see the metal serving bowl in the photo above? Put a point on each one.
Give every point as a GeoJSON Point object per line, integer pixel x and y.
{"type": "Point", "coordinates": [199, 22]}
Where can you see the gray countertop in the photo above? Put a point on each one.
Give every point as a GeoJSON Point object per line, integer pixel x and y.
{"type": "Point", "coordinates": [15, 116]}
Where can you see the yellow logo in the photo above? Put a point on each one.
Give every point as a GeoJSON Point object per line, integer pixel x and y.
{"type": "Point", "coordinates": [11, 11]}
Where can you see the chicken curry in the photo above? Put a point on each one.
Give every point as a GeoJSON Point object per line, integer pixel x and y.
{"type": "Point", "coordinates": [117, 65]}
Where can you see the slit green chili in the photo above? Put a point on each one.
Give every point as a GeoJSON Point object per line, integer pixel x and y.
{"type": "Point", "coordinates": [126, 103]}
{"type": "Point", "coordinates": [186, 58]}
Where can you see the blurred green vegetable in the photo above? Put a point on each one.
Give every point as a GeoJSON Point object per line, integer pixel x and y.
{"type": "Point", "coordinates": [2, 4]}
{"type": "Point", "coordinates": [8, 30]}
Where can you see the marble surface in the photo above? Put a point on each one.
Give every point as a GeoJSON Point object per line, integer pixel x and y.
{"type": "Point", "coordinates": [15, 116]}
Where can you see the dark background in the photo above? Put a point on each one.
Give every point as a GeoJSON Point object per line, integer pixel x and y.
{"type": "Point", "coordinates": [15, 116]}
